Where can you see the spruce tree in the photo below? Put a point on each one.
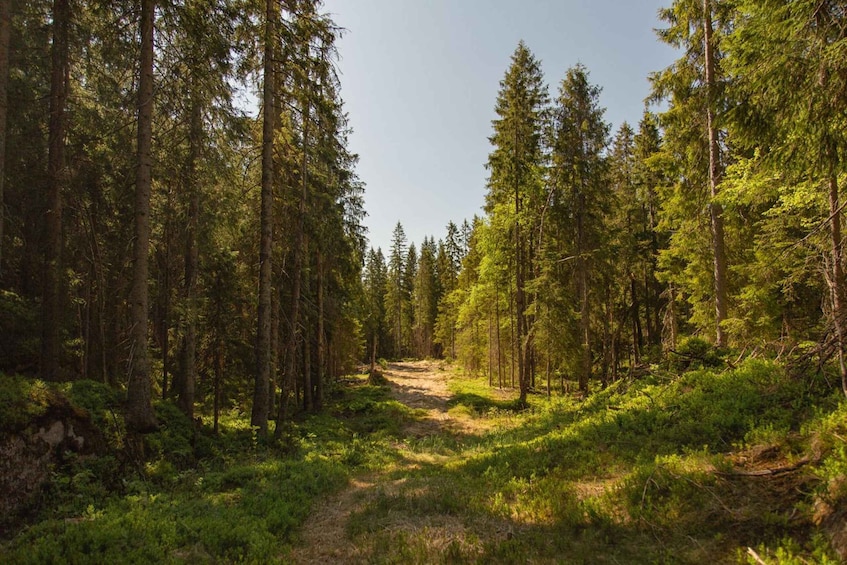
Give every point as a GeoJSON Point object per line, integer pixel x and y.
{"type": "Point", "coordinates": [394, 290]}
{"type": "Point", "coordinates": [580, 195]}
{"type": "Point", "coordinates": [139, 413]}
{"type": "Point", "coordinates": [694, 86]}
{"type": "Point", "coordinates": [515, 184]}
{"type": "Point", "coordinates": [788, 68]}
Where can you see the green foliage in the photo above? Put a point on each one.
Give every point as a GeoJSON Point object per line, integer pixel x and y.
{"type": "Point", "coordinates": [21, 400]}
{"type": "Point", "coordinates": [694, 353]}
{"type": "Point", "coordinates": [200, 499]}
{"type": "Point", "coordinates": [173, 442]}
{"type": "Point", "coordinates": [101, 401]}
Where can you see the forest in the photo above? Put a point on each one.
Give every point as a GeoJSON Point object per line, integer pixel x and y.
{"type": "Point", "coordinates": [636, 353]}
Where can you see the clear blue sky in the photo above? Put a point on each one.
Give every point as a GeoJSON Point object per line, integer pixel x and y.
{"type": "Point", "coordinates": [420, 78]}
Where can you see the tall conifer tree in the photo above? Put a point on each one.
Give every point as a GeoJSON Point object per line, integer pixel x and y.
{"type": "Point", "coordinates": [515, 184]}
{"type": "Point", "coordinates": [140, 416]}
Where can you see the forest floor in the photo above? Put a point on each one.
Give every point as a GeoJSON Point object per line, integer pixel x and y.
{"type": "Point", "coordinates": [421, 386]}
{"type": "Point", "coordinates": [428, 464]}
{"type": "Point", "coordinates": [470, 476]}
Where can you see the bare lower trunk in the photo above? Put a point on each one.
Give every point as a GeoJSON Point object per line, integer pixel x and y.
{"type": "Point", "coordinates": [490, 348]}
{"type": "Point", "coordinates": [219, 369]}
{"type": "Point", "coordinates": [637, 337]}
{"type": "Point", "coordinates": [512, 341]}
{"type": "Point", "coordinates": [520, 300]}
{"type": "Point", "coordinates": [189, 351]}
{"type": "Point", "coordinates": [296, 276]}
{"type": "Point", "coordinates": [608, 322]}
{"type": "Point", "coordinates": [837, 282]}
{"type": "Point", "coordinates": [321, 377]}
{"type": "Point", "coordinates": [671, 315]}
{"type": "Point", "coordinates": [715, 172]}
{"type": "Point", "coordinates": [139, 412]}
{"type": "Point", "coordinates": [582, 288]}
{"type": "Point", "coordinates": [307, 342]}
{"type": "Point", "coordinates": [497, 340]}
{"type": "Point", "coordinates": [584, 330]}
{"type": "Point", "coordinates": [165, 297]}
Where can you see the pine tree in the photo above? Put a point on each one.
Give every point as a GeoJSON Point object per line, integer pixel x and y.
{"type": "Point", "coordinates": [426, 296]}
{"type": "Point", "coordinates": [647, 177]}
{"type": "Point", "coordinates": [409, 321]}
{"type": "Point", "coordinates": [375, 278]}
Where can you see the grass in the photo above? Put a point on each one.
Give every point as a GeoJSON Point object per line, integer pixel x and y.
{"type": "Point", "coordinates": [646, 471]}
{"type": "Point", "coordinates": [203, 499]}
{"type": "Point", "coordinates": [638, 473]}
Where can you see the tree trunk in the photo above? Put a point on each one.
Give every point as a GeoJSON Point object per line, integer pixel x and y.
{"type": "Point", "coordinates": [296, 276]}
{"type": "Point", "coordinates": [51, 311]}
{"type": "Point", "coordinates": [490, 363]}
{"type": "Point", "coordinates": [585, 329]}
{"type": "Point", "coordinates": [259, 416]}
{"type": "Point", "coordinates": [497, 332]}
{"type": "Point", "coordinates": [637, 336]}
{"type": "Point", "coordinates": [512, 342]}
{"type": "Point", "coordinates": [582, 287]}
{"type": "Point", "coordinates": [608, 321]}
{"type": "Point", "coordinates": [715, 172]}
{"type": "Point", "coordinates": [189, 350]}
{"type": "Point", "coordinates": [276, 328]}
{"type": "Point", "coordinates": [837, 283]}
{"type": "Point", "coordinates": [218, 345]}
{"type": "Point", "coordinates": [219, 369]}
{"type": "Point", "coordinates": [548, 353]}
{"type": "Point", "coordinates": [671, 316]}
{"type": "Point", "coordinates": [321, 377]}
{"type": "Point", "coordinates": [139, 411]}
{"type": "Point", "coordinates": [5, 35]}
{"type": "Point", "coordinates": [165, 297]}
{"type": "Point", "coordinates": [307, 342]}
{"type": "Point", "coordinates": [520, 305]}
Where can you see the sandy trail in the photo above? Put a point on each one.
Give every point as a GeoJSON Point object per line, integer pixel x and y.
{"type": "Point", "coordinates": [418, 384]}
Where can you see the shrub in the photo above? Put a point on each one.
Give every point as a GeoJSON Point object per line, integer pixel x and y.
{"type": "Point", "coordinates": [694, 353]}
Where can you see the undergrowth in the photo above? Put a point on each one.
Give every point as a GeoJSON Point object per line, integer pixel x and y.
{"type": "Point", "coordinates": [720, 465]}
{"type": "Point", "coordinates": [197, 498]}
{"type": "Point", "coordinates": [645, 471]}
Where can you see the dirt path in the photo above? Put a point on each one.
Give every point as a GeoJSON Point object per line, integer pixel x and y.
{"type": "Point", "coordinates": [324, 538]}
